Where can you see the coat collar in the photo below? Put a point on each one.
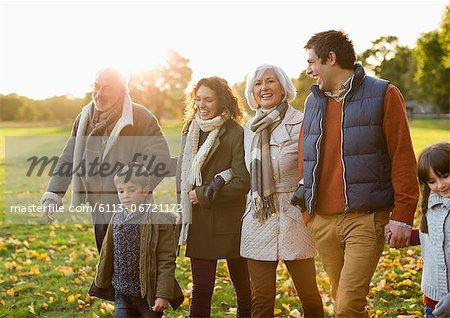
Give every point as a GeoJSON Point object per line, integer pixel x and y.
{"type": "Point", "coordinates": [358, 78]}
{"type": "Point", "coordinates": [126, 119]}
{"type": "Point", "coordinates": [436, 199]}
{"type": "Point", "coordinates": [282, 132]}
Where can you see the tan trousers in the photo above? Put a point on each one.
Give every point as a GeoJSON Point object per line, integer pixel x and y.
{"type": "Point", "coordinates": [350, 247]}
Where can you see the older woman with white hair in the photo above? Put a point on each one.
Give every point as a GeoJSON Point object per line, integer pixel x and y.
{"type": "Point", "coordinates": [272, 228]}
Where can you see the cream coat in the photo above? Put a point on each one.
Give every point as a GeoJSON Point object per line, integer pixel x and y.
{"type": "Point", "coordinates": [284, 235]}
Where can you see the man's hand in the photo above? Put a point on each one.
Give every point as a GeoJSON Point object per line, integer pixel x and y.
{"type": "Point", "coordinates": [49, 206]}
{"type": "Point", "coordinates": [397, 236]}
{"type": "Point", "coordinates": [213, 188]}
{"type": "Point", "coordinates": [160, 305]}
{"type": "Point", "coordinates": [442, 309]}
{"type": "Point", "coordinates": [298, 199]}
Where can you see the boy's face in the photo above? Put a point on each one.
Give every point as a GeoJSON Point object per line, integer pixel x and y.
{"type": "Point", "coordinates": [132, 194]}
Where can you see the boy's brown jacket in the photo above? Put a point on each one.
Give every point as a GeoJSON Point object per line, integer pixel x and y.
{"type": "Point", "coordinates": [156, 265]}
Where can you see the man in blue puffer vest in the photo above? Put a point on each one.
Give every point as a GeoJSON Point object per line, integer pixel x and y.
{"type": "Point", "coordinates": [357, 169]}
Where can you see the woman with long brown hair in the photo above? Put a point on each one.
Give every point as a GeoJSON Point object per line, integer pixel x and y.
{"type": "Point", "coordinates": [213, 202]}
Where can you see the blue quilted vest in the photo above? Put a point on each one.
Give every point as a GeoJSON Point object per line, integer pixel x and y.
{"type": "Point", "coordinates": [367, 166]}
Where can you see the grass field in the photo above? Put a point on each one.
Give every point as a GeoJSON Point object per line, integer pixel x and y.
{"type": "Point", "coordinates": [46, 270]}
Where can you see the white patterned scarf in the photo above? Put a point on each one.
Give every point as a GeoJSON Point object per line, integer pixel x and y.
{"type": "Point", "coordinates": [193, 160]}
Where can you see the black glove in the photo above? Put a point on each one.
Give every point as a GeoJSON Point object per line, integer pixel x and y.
{"type": "Point", "coordinates": [298, 199]}
{"type": "Point", "coordinates": [213, 188]}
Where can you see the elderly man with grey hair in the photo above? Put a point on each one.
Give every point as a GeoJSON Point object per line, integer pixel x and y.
{"type": "Point", "coordinates": [110, 132]}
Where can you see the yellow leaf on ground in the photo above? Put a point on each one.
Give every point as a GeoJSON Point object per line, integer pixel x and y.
{"type": "Point", "coordinates": [10, 292]}
{"type": "Point", "coordinates": [31, 309]}
{"type": "Point", "coordinates": [109, 308]}
{"type": "Point", "coordinates": [63, 289]}
{"type": "Point", "coordinates": [10, 265]}
{"type": "Point", "coordinates": [406, 282]}
{"type": "Point", "coordinates": [73, 255]}
{"type": "Point", "coordinates": [42, 256]}
{"type": "Point", "coordinates": [71, 299]}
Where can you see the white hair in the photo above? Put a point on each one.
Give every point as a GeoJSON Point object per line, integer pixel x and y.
{"type": "Point", "coordinates": [115, 74]}
{"type": "Point", "coordinates": [285, 82]}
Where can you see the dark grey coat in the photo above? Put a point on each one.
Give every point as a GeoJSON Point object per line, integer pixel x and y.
{"type": "Point", "coordinates": [215, 230]}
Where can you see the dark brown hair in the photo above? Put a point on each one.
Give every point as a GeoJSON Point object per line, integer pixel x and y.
{"type": "Point", "coordinates": [323, 43]}
{"type": "Point", "coordinates": [225, 100]}
{"type": "Point", "coordinates": [437, 158]}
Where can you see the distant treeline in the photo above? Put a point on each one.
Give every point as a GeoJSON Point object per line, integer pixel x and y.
{"type": "Point", "coordinates": [422, 74]}
{"type": "Point", "coordinates": [14, 107]}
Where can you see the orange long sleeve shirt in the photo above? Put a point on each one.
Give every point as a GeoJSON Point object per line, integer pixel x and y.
{"type": "Point", "coordinates": [330, 190]}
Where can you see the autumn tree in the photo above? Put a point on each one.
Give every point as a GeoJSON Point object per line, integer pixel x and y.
{"type": "Point", "coordinates": [239, 90]}
{"type": "Point", "coordinates": [162, 89]}
{"type": "Point", "coordinates": [389, 60]}
{"type": "Point", "coordinates": [433, 65]}
{"type": "Point", "coordinates": [303, 85]}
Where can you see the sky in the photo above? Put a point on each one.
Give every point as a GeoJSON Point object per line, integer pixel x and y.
{"type": "Point", "coordinates": [56, 48]}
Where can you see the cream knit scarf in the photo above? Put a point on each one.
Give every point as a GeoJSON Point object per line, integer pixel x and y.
{"type": "Point", "coordinates": [193, 160]}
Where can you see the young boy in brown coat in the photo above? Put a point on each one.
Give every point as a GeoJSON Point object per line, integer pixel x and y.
{"type": "Point", "coordinates": [136, 268]}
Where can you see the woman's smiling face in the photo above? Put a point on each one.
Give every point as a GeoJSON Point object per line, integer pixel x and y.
{"type": "Point", "coordinates": [206, 103]}
{"type": "Point", "coordinates": [267, 89]}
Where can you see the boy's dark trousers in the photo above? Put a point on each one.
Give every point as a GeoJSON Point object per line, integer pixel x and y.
{"type": "Point", "coordinates": [130, 307]}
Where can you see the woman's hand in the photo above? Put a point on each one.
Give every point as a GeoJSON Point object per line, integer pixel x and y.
{"type": "Point", "coordinates": [213, 188]}
{"type": "Point", "coordinates": [193, 197]}
{"type": "Point", "coordinates": [160, 305]}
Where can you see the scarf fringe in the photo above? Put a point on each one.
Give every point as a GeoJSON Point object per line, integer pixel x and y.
{"type": "Point", "coordinates": [192, 162]}
{"type": "Point", "coordinates": [262, 208]}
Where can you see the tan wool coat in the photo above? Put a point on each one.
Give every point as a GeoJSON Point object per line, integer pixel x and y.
{"type": "Point", "coordinates": [284, 235]}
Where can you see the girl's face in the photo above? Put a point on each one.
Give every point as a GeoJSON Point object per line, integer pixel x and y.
{"type": "Point", "coordinates": [206, 103]}
{"type": "Point", "coordinates": [439, 184]}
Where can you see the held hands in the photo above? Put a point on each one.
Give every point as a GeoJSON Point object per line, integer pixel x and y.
{"type": "Point", "coordinates": [161, 304]}
{"type": "Point", "coordinates": [213, 188]}
{"type": "Point", "coordinates": [298, 199]}
{"type": "Point", "coordinates": [397, 236]}
{"type": "Point", "coordinates": [442, 309]}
